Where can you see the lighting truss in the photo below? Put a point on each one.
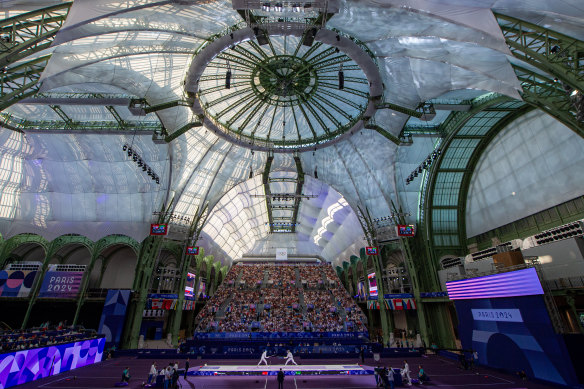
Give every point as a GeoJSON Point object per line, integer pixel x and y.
{"type": "Point", "coordinates": [425, 165]}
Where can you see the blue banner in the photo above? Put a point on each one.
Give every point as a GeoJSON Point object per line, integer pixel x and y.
{"type": "Point", "coordinates": [114, 315]}
{"type": "Point", "coordinates": [280, 335]}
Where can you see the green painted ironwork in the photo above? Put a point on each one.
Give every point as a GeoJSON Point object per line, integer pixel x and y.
{"type": "Point", "coordinates": [400, 109]}
{"type": "Point", "coordinates": [193, 234]}
{"type": "Point", "coordinates": [370, 232]}
{"type": "Point", "coordinates": [273, 100]}
{"type": "Point", "coordinates": [28, 33]}
{"type": "Point", "coordinates": [19, 124]}
{"type": "Point", "coordinates": [372, 126]}
{"type": "Point", "coordinates": [20, 81]}
{"type": "Point", "coordinates": [550, 51]}
{"type": "Point", "coordinates": [444, 200]}
{"type": "Point", "coordinates": [550, 96]}
{"type": "Point", "coordinates": [267, 192]}
{"type": "Point", "coordinates": [299, 185]}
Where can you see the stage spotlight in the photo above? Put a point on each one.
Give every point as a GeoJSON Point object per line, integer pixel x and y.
{"type": "Point", "coordinates": [153, 177]}
{"type": "Point", "coordinates": [278, 7]}
{"type": "Point", "coordinates": [140, 163]}
{"type": "Point", "coordinates": [416, 173]}
{"type": "Point", "coordinates": [419, 169]}
{"type": "Point", "coordinates": [125, 147]}
{"type": "Point", "coordinates": [134, 157]}
{"type": "Point", "coordinates": [129, 152]}
{"type": "Point", "coordinates": [145, 167]}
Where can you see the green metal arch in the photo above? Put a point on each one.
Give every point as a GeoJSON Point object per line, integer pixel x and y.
{"type": "Point", "coordinates": [64, 240]}
{"type": "Point", "coordinates": [18, 240]}
{"type": "Point", "coordinates": [116, 239]}
{"type": "Point", "coordinates": [467, 136]}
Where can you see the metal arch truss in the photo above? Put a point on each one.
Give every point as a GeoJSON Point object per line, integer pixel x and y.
{"type": "Point", "coordinates": [551, 97]}
{"type": "Point", "coordinates": [560, 59]}
{"type": "Point", "coordinates": [20, 81]}
{"type": "Point", "coordinates": [548, 50]}
{"type": "Point", "coordinates": [21, 37]}
{"type": "Point", "coordinates": [28, 33]}
{"type": "Point", "coordinates": [458, 130]}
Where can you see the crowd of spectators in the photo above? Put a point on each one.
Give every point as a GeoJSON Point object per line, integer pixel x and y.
{"type": "Point", "coordinates": [311, 276]}
{"type": "Point", "coordinates": [46, 335]}
{"type": "Point", "coordinates": [247, 304]}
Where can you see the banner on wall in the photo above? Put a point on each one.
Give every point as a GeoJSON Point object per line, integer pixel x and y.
{"type": "Point", "coordinates": [114, 315]}
{"type": "Point", "coordinates": [164, 301]}
{"type": "Point", "coordinates": [20, 367]}
{"type": "Point", "coordinates": [281, 254]}
{"type": "Point", "coordinates": [61, 284]}
{"type": "Point", "coordinates": [16, 283]}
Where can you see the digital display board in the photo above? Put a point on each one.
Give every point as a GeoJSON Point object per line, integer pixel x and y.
{"type": "Point", "coordinates": [371, 250]}
{"type": "Point", "coordinates": [372, 284]}
{"type": "Point", "coordinates": [202, 288]}
{"type": "Point", "coordinates": [406, 230]}
{"type": "Point", "coordinates": [158, 229]}
{"type": "Point", "coordinates": [192, 250]}
{"type": "Point", "coordinates": [523, 282]}
{"type": "Point", "coordinates": [20, 367]}
{"type": "Point", "coordinates": [190, 285]}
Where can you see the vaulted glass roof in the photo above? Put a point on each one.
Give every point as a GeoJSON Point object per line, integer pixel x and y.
{"type": "Point", "coordinates": [65, 175]}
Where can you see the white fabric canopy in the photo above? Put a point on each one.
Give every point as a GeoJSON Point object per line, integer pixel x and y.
{"type": "Point", "coordinates": [56, 183]}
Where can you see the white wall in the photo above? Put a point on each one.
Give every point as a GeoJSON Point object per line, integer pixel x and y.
{"type": "Point", "coordinates": [561, 259]}
{"type": "Point", "coordinates": [533, 164]}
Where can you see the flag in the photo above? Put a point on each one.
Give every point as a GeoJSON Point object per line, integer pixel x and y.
{"type": "Point", "coordinates": [398, 303]}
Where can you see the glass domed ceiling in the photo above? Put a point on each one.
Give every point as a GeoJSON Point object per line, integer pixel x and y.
{"type": "Point", "coordinates": [283, 94]}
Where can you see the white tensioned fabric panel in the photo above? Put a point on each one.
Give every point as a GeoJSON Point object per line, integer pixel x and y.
{"type": "Point", "coordinates": [361, 168]}
{"type": "Point", "coordinates": [328, 220]}
{"type": "Point", "coordinates": [87, 183]}
{"type": "Point", "coordinates": [12, 174]}
{"type": "Point", "coordinates": [239, 219]}
{"type": "Point", "coordinates": [200, 18]}
{"type": "Point", "coordinates": [460, 46]}
{"type": "Point", "coordinates": [532, 165]}
{"type": "Point", "coordinates": [408, 159]}
{"type": "Point", "coordinates": [213, 168]}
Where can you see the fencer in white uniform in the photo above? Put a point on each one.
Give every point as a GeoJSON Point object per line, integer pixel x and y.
{"type": "Point", "coordinates": [406, 373]}
{"type": "Point", "coordinates": [290, 358]}
{"type": "Point", "coordinates": [263, 358]}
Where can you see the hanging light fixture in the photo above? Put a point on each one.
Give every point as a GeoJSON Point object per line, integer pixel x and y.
{"type": "Point", "coordinates": [228, 77]}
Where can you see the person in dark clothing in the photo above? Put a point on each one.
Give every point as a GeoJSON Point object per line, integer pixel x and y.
{"type": "Point", "coordinates": [187, 365]}
{"type": "Point", "coordinates": [280, 379]}
{"type": "Point", "coordinates": [175, 375]}
{"type": "Point", "coordinates": [362, 354]}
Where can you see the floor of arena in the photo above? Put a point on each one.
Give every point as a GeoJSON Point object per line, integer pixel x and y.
{"type": "Point", "coordinates": [443, 372]}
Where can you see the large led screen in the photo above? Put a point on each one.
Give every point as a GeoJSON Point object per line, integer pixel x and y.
{"type": "Point", "coordinates": [523, 282]}
{"type": "Point", "coordinates": [190, 285]}
{"type": "Point", "coordinates": [24, 366]}
{"type": "Point", "coordinates": [372, 285]}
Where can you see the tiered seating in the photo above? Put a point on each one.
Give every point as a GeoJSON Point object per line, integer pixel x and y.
{"type": "Point", "coordinates": [40, 337]}
{"type": "Point", "coordinates": [250, 305]}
